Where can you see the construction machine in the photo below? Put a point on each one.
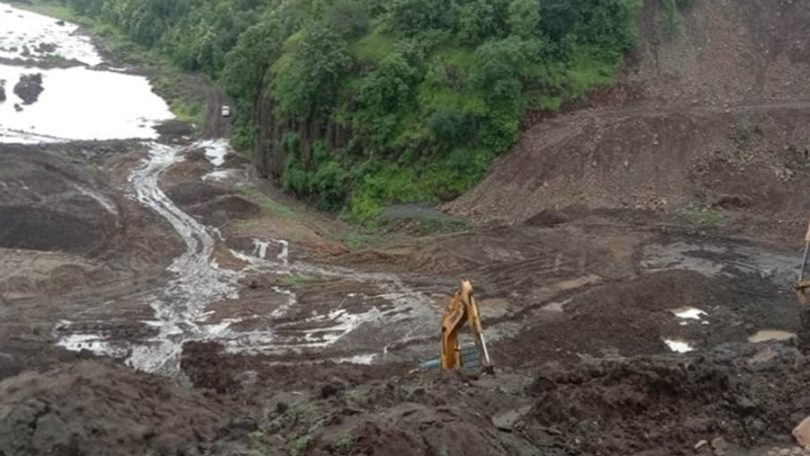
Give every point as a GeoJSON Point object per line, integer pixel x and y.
{"type": "Point", "coordinates": [803, 283]}
{"type": "Point", "coordinates": [463, 308]}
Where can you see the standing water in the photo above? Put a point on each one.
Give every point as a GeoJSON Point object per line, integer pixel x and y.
{"type": "Point", "coordinates": [78, 101]}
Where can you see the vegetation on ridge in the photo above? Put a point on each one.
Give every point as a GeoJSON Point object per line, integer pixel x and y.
{"type": "Point", "coordinates": [358, 104]}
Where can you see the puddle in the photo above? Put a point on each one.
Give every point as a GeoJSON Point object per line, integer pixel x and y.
{"type": "Point", "coordinates": [358, 359]}
{"type": "Point", "coordinates": [682, 255]}
{"type": "Point", "coordinates": [689, 313]}
{"type": "Point", "coordinates": [767, 335]}
{"type": "Point", "coordinates": [215, 151]}
{"type": "Point", "coordinates": [26, 29]}
{"type": "Point", "coordinates": [79, 103]}
{"type": "Point", "coordinates": [221, 175]}
{"type": "Point", "coordinates": [679, 345]}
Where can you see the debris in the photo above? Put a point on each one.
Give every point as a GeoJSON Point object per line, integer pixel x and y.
{"type": "Point", "coordinates": [511, 419]}
{"type": "Point", "coordinates": [802, 433]}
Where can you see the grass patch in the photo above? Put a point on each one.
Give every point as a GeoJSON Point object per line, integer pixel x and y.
{"type": "Point", "coordinates": [298, 280]}
{"type": "Point", "coordinates": [374, 46]}
{"type": "Point", "coordinates": [258, 443]}
{"type": "Point", "coordinates": [57, 10]}
{"type": "Point", "coordinates": [429, 181]}
{"type": "Point", "coordinates": [706, 216]}
{"type": "Point", "coordinates": [299, 445]}
{"type": "Point", "coordinates": [345, 442]}
{"type": "Point", "coordinates": [268, 204]}
{"type": "Point", "coordinates": [361, 241]}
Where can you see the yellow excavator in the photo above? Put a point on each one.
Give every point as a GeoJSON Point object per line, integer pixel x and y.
{"type": "Point", "coordinates": [463, 308]}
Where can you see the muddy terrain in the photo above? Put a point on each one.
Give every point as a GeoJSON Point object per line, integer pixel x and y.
{"type": "Point", "coordinates": [158, 297]}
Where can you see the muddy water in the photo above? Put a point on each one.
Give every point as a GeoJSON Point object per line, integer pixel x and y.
{"type": "Point", "coordinates": [80, 102]}
{"type": "Point", "coordinates": [26, 30]}
{"type": "Point", "coordinates": [772, 335]}
{"type": "Point", "coordinates": [85, 101]}
{"type": "Point", "coordinates": [181, 308]}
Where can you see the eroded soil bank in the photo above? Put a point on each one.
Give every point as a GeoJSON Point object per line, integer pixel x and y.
{"type": "Point", "coordinates": [159, 298]}
{"type": "Point", "coordinates": [294, 341]}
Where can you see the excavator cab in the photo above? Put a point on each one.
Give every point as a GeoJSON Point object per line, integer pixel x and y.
{"type": "Point", "coordinates": [463, 308]}
{"type": "Point", "coordinates": [803, 283]}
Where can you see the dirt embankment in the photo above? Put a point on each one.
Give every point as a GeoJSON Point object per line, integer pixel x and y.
{"type": "Point", "coordinates": [71, 242]}
{"type": "Point", "coordinates": [713, 116]}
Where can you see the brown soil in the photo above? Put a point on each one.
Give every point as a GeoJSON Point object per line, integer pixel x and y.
{"type": "Point", "coordinates": [717, 120]}
{"type": "Point", "coordinates": [681, 187]}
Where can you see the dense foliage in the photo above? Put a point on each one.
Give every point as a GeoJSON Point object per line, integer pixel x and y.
{"type": "Point", "coordinates": [430, 91]}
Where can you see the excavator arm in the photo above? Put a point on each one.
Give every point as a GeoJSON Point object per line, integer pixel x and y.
{"type": "Point", "coordinates": [463, 308]}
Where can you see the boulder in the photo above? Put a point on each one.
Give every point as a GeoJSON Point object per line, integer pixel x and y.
{"type": "Point", "coordinates": [29, 87]}
{"type": "Point", "coordinates": [46, 48]}
{"type": "Point", "coordinates": [802, 433]}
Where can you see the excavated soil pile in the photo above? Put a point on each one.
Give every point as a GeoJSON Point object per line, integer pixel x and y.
{"type": "Point", "coordinates": [50, 204]}
{"type": "Point", "coordinates": [81, 408]}
{"type": "Point", "coordinates": [716, 118]}
{"type": "Point", "coordinates": [627, 406]}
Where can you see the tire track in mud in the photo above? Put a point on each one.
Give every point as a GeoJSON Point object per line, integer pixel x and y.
{"type": "Point", "coordinates": [181, 311]}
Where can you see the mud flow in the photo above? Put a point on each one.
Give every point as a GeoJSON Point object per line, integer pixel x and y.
{"type": "Point", "coordinates": [158, 297]}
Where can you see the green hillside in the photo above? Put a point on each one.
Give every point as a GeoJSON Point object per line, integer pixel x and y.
{"type": "Point", "coordinates": [358, 104]}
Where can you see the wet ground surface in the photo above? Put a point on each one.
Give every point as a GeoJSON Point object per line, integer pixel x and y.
{"type": "Point", "coordinates": [159, 298]}
{"type": "Point", "coordinates": [196, 274]}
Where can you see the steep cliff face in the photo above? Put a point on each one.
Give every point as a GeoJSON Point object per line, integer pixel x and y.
{"type": "Point", "coordinates": [270, 152]}
{"type": "Point", "coordinates": [714, 115]}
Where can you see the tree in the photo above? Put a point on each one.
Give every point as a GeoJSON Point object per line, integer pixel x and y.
{"type": "Point", "coordinates": [481, 19]}
{"type": "Point", "coordinates": [524, 17]}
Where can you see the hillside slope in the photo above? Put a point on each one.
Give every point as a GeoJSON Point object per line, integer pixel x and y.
{"type": "Point", "coordinates": [713, 116]}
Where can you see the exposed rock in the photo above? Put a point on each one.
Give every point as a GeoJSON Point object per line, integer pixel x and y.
{"type": "Point", "coordinates": [2, 94]}
{"type": "Point", "coordinates": [46, 48]}
{"type": "Point", "coordinates": [29, 87]}
{"type": "Point", "coordinates": [509, 420]}
{"type": "Point", "coordinates": [802, 433]}
{"type": "Point", "coordinates": [720, 445]}
{"type": "Point", "coordinates": [60, 23]}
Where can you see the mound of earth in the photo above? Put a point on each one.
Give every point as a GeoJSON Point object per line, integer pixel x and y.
{"type": "Point", "coordinates": [653, 406]}
{"type": "Point", "coordinates": [711, 116]}
{"type": "Point", "coordinates": [42, 229]}
{"type": "Point", "coordinates": [92, 408]}
{"type": "Point", "coordinates": [47, 204]}
{"type": "Point", "coordinates": [188, 194]}
{"type": "Point", "coordinates": [29, 87]}
{"type": "Point", "coordinates": [224, 209]}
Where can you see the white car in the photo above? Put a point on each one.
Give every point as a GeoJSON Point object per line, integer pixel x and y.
{"type": "Point", "coordinates": [226, 111]}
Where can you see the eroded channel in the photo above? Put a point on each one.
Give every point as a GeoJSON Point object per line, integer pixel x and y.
{"type": "Point", "coordinates": [181, 308]}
